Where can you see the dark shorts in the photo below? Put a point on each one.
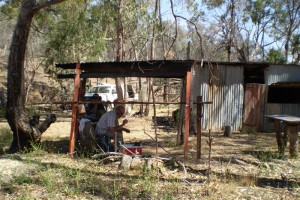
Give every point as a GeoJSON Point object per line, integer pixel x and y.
{"type": "Point", "coordinates": [105, 141]}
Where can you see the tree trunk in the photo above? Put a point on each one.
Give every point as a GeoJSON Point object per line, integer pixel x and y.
{"type": "Point", "coordinates": [24, 129]}
{"type": "Point", "coordinates": [120, 53]}
{"type": "Point", "coordinates": [141, 98]}
{"type": "Point", "coordinates": [165, 93]}
{"type": "Point", "coordinates": [152, 56]}
{"type": "Point", "coordinates": [147, 108]}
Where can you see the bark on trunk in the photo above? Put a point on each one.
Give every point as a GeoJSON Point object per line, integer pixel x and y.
{"type": "Point", "coordinates": [24, 129]}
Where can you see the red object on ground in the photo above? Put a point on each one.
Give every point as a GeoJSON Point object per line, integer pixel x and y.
{"type": "Point", "coordinates": [131, 149]}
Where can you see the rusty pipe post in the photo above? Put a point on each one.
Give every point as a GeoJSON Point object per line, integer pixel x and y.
{"type": "Point", "coordinates": [187, 114]}
{"type": "Point", "coordinates": [74, 123]}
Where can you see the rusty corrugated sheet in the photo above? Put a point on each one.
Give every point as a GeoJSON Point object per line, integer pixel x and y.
{"type": "Point", "coordinates": [254, 105]}
{"type": "Point", "coordinates": [223, 85]}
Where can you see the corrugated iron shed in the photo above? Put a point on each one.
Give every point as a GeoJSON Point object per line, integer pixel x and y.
{"type": "Point", "coordinates": [222, 84]}
{"type": "Point", "coordinates": [277, 74]}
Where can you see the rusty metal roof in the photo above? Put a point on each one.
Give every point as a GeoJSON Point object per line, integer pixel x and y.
{"type": "Point", "coordinates": [154, 68]}
{"type": "Point", "coordinates": [157, 68]}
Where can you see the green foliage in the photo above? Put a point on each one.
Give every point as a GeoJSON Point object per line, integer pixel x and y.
{"type": "Point", "coordinates": [49, 179]}
{"type": "Point", "coordinates": [24, 179]}
{"type": "Point", "coordinates": [295, 44]}
{"type": "Point", "coordinates": [73, 34]}
{"type": "Point", "coordinates": [213, 3]}
{"type": "Point", "coordinates": [2, 112]}
{"type": "Point", "coordinates": [147, 184]}
{"type": "Point", "coordinates": [31, 110]}
{"type": "Point", "coordinates": [10, 9]}
{"type": "Point", "coordinates": [275, 56]}
{"type": "Point", "coordinates": [259, 11]}
{"type": "Point", "coordinates": [266, 156]}
{"type": "Point", "coordinates": [37, 148]}
{"type": "Point", "coordinates": [286, 22]}
{"type": "Point", "coordinates": [5, 137]}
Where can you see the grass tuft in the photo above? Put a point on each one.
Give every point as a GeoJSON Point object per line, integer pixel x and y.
{"type": "Point", "coordinates": [6, 138]}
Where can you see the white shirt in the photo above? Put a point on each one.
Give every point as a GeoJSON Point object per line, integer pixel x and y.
{"type": "Point", "coordinates": [109, 119]}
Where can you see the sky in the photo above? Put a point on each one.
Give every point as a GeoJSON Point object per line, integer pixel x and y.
{"type": "Point", "coordinates": [179, 9]}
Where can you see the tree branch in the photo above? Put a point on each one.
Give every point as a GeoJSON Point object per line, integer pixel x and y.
{"type": "Point", "coordinates": [46, 4]}
{"type": "Point", "coordinates": [189, 21]}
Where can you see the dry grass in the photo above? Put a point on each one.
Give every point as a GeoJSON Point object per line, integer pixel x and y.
{"type": "Point", "coordinates": [244, 166]}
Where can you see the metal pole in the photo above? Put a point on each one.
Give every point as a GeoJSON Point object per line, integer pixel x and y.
{"type": "Point", "coordinates": [74, 123]}
{"type": "Point", "coordinates": [199, 116]}
{"type": "Point", "coordinates": [187, 114]}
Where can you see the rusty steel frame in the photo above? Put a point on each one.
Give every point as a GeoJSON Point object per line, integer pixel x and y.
{"type": "Point", "coordinates": [187, 114]}
{"type": "Point", "coordinates": [74, 122]}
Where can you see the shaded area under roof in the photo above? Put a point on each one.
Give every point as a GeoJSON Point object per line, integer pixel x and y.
{"type": "Point", "coordinates": [159, 69]}
{"type": "Point", "coordinates": [154, 68]}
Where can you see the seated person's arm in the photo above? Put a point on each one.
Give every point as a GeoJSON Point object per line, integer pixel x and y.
{"type": "Point", "coordinates": [120, 127]}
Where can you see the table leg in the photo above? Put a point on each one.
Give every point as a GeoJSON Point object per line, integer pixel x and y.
{"type": "Point", "coordinates": [285, 137]}
{"type": "Point", "coordinates": [292, 131]}
{"type": "Point", "coordinates": [279, 137]}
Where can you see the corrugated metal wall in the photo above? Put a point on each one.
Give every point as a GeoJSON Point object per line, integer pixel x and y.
{"type": "Point", "coordinates": [281, 73]}
{"type": "Point", "coordinates": [223, 85]}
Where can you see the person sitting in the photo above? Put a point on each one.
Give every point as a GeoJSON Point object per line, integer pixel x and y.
{"type": "Point", "coordinates": [108, 126]}
{"type": "Point", "coordinates": [95, 108]}
{"type": "Point", "coordinates": [86, 138]}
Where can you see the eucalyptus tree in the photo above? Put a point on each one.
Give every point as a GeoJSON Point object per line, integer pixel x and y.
{"type": "Point", "coordinates": [75, 33]}
{"type": "Point", "coordinates": [286, 22]}
{"type": "Point", "coordinates": [258, 16]}
{"type": "Point", "coordinates": [295, 44]}
{"type": "Point", "coordinates": [240, 27]}
{"type": "Point", "coordinates": [227, 21]}
{"type": "Point", "coordinates": [25, 130]}
{"type": "Point", "coordinates": [34, 57]}
{"type": "Point", "coordinates": [275, 56]}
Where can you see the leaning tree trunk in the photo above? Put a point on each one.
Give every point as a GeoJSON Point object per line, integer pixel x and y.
{"type": "Point", "coordinates": [24, 129]}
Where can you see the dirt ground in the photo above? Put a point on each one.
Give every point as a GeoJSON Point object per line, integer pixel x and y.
{"type": "Point", "coordinates": [248, 162]}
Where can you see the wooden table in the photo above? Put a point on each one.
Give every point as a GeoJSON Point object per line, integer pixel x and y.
{"type": "Point", "coordinates": [289, 132]}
